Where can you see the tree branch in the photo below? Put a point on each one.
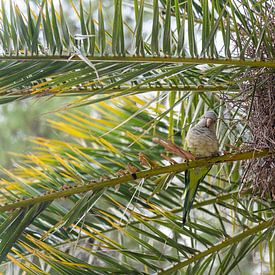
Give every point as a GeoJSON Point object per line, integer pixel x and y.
{"type": "Point", "coordinates": [139, 175]}
{"type": "Point", "coordinates": [149, 59]}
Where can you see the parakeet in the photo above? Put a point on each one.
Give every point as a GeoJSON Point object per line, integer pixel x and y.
{"type": "Point", "coordinates": [202, 142]}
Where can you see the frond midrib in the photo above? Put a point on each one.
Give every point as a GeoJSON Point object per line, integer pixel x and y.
{"type": "Point", "coordinates": [139, 175]}
{"type": "Point", "coordinates": [147, 59]}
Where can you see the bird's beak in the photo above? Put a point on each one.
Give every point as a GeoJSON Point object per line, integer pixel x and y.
{"type": "Point", "coordinates": [209, 122]}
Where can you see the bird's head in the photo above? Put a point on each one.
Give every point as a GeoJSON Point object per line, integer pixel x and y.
{"type": "Point", "coordinates": [208, 119]}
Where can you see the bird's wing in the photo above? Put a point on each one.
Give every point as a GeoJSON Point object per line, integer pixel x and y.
{"type": "Point", "coordinates": [193, 177]}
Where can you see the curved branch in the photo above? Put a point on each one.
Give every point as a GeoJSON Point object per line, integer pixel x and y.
{"type": "Point", "coordinates": [139, 175]}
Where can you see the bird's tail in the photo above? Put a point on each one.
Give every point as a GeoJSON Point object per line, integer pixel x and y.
{"type": "Point", "coordinates": [193, 177]}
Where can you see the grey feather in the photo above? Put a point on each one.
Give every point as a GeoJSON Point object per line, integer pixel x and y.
{"type": "Point", "coordinates": [201, 139]}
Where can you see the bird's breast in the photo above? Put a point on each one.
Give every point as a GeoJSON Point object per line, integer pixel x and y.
{"type": "Point", "coordinates": [202, 142]}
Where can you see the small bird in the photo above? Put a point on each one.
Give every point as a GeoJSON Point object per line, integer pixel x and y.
{"type": "Point", "coordinates": [202, 142]}
{"type": "Point", "coordinates": [201, 139]}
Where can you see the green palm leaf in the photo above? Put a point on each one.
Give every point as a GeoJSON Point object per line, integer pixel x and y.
{"type": "Point", "coordinates": [73, 214]}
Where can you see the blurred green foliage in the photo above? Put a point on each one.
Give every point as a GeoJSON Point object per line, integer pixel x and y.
{"type": "Point", "coordinates": [19, 121]}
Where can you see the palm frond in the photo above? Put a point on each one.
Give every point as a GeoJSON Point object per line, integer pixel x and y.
{"type": "Point", "coordinates": [72, 214]}
{"type": "Point", "coordinates": [104, 222]}
{"type": "Point", "coordinates": [62, 56]}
